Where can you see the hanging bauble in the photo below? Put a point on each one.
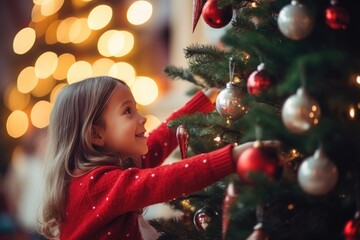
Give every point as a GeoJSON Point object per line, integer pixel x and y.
{"type": "Point", "coordinates": [295, 21]}
{"type": "Point", "coordinates": [196, 11]}
{"type": "Point", "coordinates": [183, 140]}
{"type": "Point", "coordinates": [258, 233]}
{"type": "Point", "coordinates": [258, 159]}
{"type": "Point", "coordinates": [228, 102]}
{"type": "Point", "coordinates": [337, 17]}
{"type": "Point", "coordinates": [230, 197]}
{"type": "Point", "coordinates": [214, 16]}
{"type": "Point", "coordinates": [300, 112]}
{"type": "Point", "coordinates": [204, 217]}
{"type": "Point", "coordinates": [258, 81]}
{"type": "Point", "coordinates": [317, 175]}
{"type": "Point", "coordinates": [352, 228]}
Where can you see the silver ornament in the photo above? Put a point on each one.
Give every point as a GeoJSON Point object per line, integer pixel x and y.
{"type": "Point", "coordinates": [295, 21]}
{"type": "Point", "coordinates": [317, 175]}
{"type": "Point", "coordinates": [228, 102]}
{"type": "Point", "coordinates": [300, 112]}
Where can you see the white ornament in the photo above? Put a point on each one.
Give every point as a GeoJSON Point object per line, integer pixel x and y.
{"type": "Point", "coordinates": [317, 175]}
{"type": "Point", "coordinates": [228, 102]}
{"type": "Point", "coordinates": [300, 112]}
{"type": "Point", "coordinates": [295, 21]}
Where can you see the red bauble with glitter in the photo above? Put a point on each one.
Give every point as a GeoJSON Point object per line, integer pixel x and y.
{"type": "Point", "coordinates": [214, 16]}
{"type": "Point", "coordinates": [258, 159]}
{"type": "Point", "coordinates": [258, 81]}
{"type": "Point", "coordinates": [337, 17]}
{"type": "Point", "coordinates": [352, 228]}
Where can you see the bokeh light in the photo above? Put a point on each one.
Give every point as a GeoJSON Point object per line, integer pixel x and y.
{"type": "Point", "coordinates": [123, 71]}
{"type": "Point", "coordinates": [145, 90]}
{"type": "Point", "coordinates": [15, 100]}
{"type": "Point", "coordinates": [99, 17]}
{"type": "Point", "coordinates": [27, 80]}
{"type": "Point", "coordinates": [152, 122]}
{"type": "Point", "coordinates": [40, 114]}
{"type": "Point", "coordinates": [46, 64]}
{"type": "Point", "coordinates": [19, 45]}
{"type": "Point", "coordinates": [79, 71]}
{"type": "Point", "coordinates": [65, 61]}
{"type": "Point", "coordinates": [139, 12]}
{"type": "Point", "coordinates": [17, 124]}
{"type": "Point", "coordinates": [115, 43]}
{"type": "Point", "coordinates": [101, 67]}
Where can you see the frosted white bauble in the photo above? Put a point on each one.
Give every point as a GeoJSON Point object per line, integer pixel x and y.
{"type": "Point", "coordinates": [295, 21]}
{"type": "Point", "coordinates": [317, 175]}
{"type": "Point", "coordinates": [228, 102]}
{"type": "Point", "coordinates": [300, 112]}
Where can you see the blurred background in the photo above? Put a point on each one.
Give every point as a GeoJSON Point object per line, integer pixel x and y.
{"type": "Point", "coordinates": [47, 44]}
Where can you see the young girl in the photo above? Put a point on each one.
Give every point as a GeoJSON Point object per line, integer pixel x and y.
{"type": "Point", "coordinates": [102, 169]}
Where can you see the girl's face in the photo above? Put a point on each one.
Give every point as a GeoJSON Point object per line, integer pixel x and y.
{"type": "Point", "coordinates": [122, 126]}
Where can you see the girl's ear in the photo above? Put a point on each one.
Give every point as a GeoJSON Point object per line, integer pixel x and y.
{"type": "Point", "coordinates": [96, 137]}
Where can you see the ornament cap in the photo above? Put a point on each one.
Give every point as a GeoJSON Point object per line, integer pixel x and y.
{"type": "Point", "coordinates": [261, 66]}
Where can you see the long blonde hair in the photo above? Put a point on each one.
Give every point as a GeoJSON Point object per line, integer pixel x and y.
{"type": "Point", "coordinates": [78, 106]}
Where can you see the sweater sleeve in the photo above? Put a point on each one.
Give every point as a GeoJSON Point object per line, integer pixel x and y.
{"type": "Point", "coordinates": [162, 141]}
{"type": "Point", "coordinates": [113, 192]}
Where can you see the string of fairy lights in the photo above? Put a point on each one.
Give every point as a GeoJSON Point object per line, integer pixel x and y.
{"type": "Point", "coordinates": [31, 96]}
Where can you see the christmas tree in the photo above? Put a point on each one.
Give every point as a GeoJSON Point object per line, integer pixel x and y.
{"type": "Point", "coordinates": [287, 70]}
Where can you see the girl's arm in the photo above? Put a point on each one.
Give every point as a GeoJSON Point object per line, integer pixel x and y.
{"type": "Point", "coordinates": [162, 141]}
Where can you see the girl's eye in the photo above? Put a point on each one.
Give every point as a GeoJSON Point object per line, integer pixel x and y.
{"type": "Point", "coordinates": [127, 111]}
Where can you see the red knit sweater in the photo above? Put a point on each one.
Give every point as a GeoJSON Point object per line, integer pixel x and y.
{"type": "Point", "coordinates": [104, 203]}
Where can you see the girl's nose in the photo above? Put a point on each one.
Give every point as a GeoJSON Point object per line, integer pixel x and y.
{"type": "Point", "coordinates": [142, 119]}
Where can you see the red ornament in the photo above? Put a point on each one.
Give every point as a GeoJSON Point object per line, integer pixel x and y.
{"type": "Point", "coordinates": [258, 159]}
{"type": "Point", "coordinates": [230, 197]}
{"type": "Point", "coordinates": [337, 17]}
{"type": "Point", "coordinates": [352, 228]}
{"type": "Point", "coordinates": [214, 16]}
{"type": "Point", "coordinates": [197, 10]}
{"type": "Point", "coordinates": [258, 81]}
{"type": "Point", "coordinates": [204, 217]}
{"type": "Point", "coordinates": [183, 140]}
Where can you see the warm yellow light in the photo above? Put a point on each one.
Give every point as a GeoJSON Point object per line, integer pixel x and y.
{"type": "Point", "coordinates": [50, 7]}
{"type": "Point", "coordinates": [145, 90]}
{"type": "Point", "coordinates": [63, 30]}
{"type": "Point", "coordinates": [358, 79]}
{"type": "Point", "coordinates": [20, 45]}
{"type": "Point", "coordinates": [51, 32]}
{"type": "Point", "coordinates": [139, 12]}
{"type": "Point", "coordinates": [56, 91]}
{"type": "Point", "coordinates": [128, 45]}
{"type": "Point", "coordinates": [27, 80]}
{"type": "Point", "coordinates": [99, 17]}
{"type": "Point", "coordinates": [40, 114]}
{"type": "Point", "coordinates": [79, 3]}
{"type": "Point", "coordinates": [46, 64]}
{"type": "Point", "coordinates": [152, 122]}
{"type": "Point", "coordinates": [36, 15]}
{"type": "Point", "coordinates": [352, 112]}
{"type": "Point", "coordinates": [64, 62]}
{"type": "Point", "coordinates": [115, 43]}
{"type": "Point", "coordinates": [101, 67]}
{"type": "Point", "coordinates": [17, 124]}
{"type": "Point", "coordinates": [43, 87]}
{"type": "Point", "coordinates": [79, 71]}
{"type": "Point", "coordinates": [79, 31]}
{"type": "Point", "coordinates": [123, 71]}
{"type": "Point", "coordinates": [15, 100]}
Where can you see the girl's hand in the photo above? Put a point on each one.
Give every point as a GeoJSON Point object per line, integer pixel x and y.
{"type": "Point", "coordinates": [238, 150]}
{"type": "Point", "coordinates": [212, 93]}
